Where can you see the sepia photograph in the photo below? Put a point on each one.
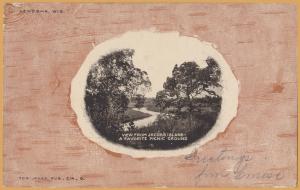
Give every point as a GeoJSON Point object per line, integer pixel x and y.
{"type": "Point", "coordinates": [183, 111]}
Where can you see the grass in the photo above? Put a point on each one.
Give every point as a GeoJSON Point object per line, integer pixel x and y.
{"type": "Point", "coordinates": [193, 125]}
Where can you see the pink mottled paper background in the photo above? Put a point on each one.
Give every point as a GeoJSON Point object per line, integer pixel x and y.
{"type": "Point", "coordinates": [43, 51]}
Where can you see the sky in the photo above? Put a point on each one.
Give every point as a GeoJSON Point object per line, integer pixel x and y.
{"type": "Point", "coordinates": [157, 54]}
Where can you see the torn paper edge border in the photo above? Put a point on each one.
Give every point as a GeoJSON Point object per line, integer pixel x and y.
{"type": "Point", "coordinates": [228, 111]}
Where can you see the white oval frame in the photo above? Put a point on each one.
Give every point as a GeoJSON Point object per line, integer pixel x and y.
{"type": "Point", "coordinates": [127, 40]}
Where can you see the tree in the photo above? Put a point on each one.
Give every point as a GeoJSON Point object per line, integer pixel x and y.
{"type": "Point", "coordinates": [187, 85]}
{"type": "Point", "coordinates": [111, 83]}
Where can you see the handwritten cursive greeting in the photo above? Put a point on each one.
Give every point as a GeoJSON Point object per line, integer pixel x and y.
{"type": "Point", "coordinates": [242, 167]}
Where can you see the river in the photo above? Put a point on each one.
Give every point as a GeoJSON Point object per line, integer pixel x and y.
{"type": "Point", "coordinates": [145, 121]}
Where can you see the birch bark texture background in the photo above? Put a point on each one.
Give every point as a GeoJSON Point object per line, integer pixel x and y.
{"type": "Point", "coordinates": [45, 45]}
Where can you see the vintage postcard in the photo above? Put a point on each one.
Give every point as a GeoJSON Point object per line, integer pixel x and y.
{"type": "Point", "coordinates": [150, 95]}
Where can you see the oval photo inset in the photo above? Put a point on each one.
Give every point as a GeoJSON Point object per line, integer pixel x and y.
{"type": "Point", "coordinates": [150, 94]}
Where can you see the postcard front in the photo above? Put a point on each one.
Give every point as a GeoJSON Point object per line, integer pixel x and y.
{"type": "Point", "coordinates": [150, 95]}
